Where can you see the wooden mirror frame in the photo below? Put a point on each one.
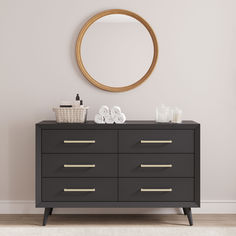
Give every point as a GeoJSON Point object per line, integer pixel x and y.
{"type": "Point", "coordinates": [79, 58]}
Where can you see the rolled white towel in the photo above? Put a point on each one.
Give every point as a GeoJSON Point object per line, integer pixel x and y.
{"type": "Point", "coordinates": [120, 119]}
{"type": "Point", "coordinates": [109, 119]}
{"type": "Point", "coordinates": [99, 119]}
{"type": "Point", "coordinates": [104, 110]}
{"type": "Point", "coordinates": [115, 111]}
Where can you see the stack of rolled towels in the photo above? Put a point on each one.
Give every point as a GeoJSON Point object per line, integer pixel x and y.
{"type": "Point", "coordinates": [110, 116]}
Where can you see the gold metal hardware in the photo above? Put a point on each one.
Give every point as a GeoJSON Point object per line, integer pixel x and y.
{"type": "Point", "coordinates": [166, 166]}
{"type": "Point", "coordinates": [79, 141]}
{"type": "Point", "coordinates": [90, 165]}
{"type": "Point", "coordinates": [156, 190]}
{"type": "Point", "coordinates": [156, 141]}
{"type": "Point", "coordinates": [79, 190]}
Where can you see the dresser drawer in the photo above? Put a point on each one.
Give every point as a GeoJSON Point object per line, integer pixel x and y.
{"type": "Point", "coordinates": [79, 141]}
{"type": "Point", "coordinates": [79, 189]}
{"type": "Point", "coordinates": [156, 141]}
{"type": "Point", "coordinates": [156, 189]}
{"type": "Point", "coordinates": [156, 165]}
{"type": "Point", "coordinates": [79, 165]}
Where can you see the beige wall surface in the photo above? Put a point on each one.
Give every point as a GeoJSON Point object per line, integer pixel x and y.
{"type": "Point", "coordinates": [195, 71]}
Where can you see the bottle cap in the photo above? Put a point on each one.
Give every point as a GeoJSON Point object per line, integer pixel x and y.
{"type": "Point", "coordinates": [77, 97]}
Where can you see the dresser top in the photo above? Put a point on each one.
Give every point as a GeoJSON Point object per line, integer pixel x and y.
{"type": "Point", "coordinates": [130, 124]}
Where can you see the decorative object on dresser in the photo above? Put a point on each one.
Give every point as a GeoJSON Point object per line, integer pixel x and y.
{"type": "Point", "coordinates": [136, 164]}
{"type": "Point", "coordinates": [71, 112]}
{"type": "Point", "coordinates": [107, 116]}
{"type": "Point", "coordinates": [168, 114]}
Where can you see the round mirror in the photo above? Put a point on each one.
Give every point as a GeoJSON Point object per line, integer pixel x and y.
{"type": "Point", "coordinates": [116, 50]}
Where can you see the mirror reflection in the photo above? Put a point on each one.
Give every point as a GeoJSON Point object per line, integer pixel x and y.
{"type": "Point", "coordinates": [117, 50]}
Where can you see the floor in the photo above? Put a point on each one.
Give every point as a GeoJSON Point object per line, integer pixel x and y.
{"type": "Point", "coordinates": [115, 225]}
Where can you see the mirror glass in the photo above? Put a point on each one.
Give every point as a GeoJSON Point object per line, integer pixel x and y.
{"type": "Point", "coordinates": [117, 50]}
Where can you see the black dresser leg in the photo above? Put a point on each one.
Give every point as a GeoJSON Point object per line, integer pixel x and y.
{"type": "Point", "coordinates": [188, 212]}
{"type": "Point", "coordinates": [47, 212]}
{"type": "Point", "coordinates": [50, 213]}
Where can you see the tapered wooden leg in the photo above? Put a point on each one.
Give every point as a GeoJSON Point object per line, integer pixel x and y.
{"type": "Point", "coordinates": [50, 213]}
{"type": "Point", "coordinates": [184, 211]}
{"type": "Point", "coordinates": [46, 214]}
{"type": "Point", "coordinates": [189, 215]}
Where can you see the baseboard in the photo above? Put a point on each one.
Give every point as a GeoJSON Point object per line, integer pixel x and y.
{"type": "Point", "coordinates": [207, 207]}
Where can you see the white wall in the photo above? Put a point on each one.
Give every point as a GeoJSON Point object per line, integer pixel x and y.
{"type": "Point", "coordinates": [195, 71]}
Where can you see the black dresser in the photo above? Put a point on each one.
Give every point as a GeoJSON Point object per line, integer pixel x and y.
{"type": "Point", "coordinates": [136, 164]}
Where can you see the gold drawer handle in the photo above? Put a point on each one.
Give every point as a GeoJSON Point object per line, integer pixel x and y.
{"type": "Point", "coordinates": [166, 166]}
{"type": "Point", "coordinates": [156, 190]}
{"type": "Point", "coordinates": [79, 190]}
{"type": "Point", "coordinates": [156, 141]}
{"type": "Point", "coordinates": [90, 165]}
{"type": "Point", "coordinates": [79, 141]}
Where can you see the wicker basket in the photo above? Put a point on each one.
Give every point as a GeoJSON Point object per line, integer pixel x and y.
{"type": "Point", "coordinates": [71, 114]}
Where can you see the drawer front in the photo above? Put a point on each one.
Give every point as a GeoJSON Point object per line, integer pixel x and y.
{"type": "Point", "coordinates": [156, 141]}
{"type": "Point", "coordinates": [156, 189]}
{"type": "Point", "coordinates": [79, 141]}
{"type": "Point", "coordinates": [79, 189]}
{"type": "Point", "coordinates": [79, 165]}
{"type": "Point", "coordinates": [156, 165]}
